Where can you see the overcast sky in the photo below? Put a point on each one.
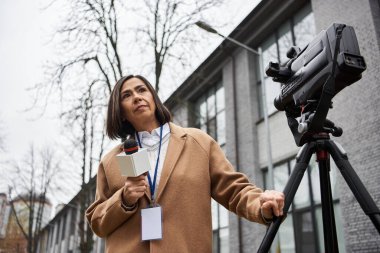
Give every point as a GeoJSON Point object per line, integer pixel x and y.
{"type": "Point", "coordinates": [23, 50]}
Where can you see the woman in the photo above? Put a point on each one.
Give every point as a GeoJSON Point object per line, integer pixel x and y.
{"type": "Point", "coordinates": [190, 168]}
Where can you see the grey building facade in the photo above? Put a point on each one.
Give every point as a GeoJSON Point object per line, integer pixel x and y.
{"type": "Point", "coordinates": [223, 97]}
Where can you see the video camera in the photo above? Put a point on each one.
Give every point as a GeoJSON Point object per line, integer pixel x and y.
{"type": "Point", "coordinates": [304, 75]}
{"type": "Point", "coordinates": [313, 76]}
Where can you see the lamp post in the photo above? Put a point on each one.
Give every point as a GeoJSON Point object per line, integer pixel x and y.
{"type": "Point", "coordinates": [258, 53]}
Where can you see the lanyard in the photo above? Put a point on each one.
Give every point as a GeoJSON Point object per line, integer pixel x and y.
{"type": "Point", "coordinates": [152, 185]}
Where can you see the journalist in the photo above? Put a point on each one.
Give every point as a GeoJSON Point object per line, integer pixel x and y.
{"type": "Point", "coordinates": [167, 209]}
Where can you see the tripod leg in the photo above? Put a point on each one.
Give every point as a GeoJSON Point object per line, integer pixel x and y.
{"type": "Point", "coordinates": [329, 229]}
{"type": "Point", "coordinates": [360, 192]}
{"type": "Point", "coordinates": [302, 161]}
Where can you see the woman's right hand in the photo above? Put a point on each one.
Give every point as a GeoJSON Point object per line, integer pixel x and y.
{"type": "Point", "coordinates": [134, 188]}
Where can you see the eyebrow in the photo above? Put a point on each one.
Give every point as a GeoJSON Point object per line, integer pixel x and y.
{"type": "Point", "coordinates": [135, 88]}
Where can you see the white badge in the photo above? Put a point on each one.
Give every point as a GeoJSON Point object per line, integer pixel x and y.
{"type": "Point", "coordinates": [151, 223]}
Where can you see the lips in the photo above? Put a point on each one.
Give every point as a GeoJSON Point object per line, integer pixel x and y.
{"type": "Point", "coordinates": [140, 107]}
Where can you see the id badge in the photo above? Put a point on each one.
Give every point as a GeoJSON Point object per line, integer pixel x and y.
{"type": "Point", "coordinates": [151, 223]}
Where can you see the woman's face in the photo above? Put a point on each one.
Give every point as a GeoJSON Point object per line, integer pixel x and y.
{"type": "Point", "coordinates": [137, 104]}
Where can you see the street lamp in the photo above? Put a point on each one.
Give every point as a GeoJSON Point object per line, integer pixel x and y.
{"type": "Point", "coordinates": [258, 53]}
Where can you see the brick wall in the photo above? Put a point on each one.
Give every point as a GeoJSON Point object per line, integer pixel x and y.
{"type": "Point", "coordinates": [356, 111]}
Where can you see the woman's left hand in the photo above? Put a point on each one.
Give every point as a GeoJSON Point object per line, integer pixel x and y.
{"type": "Point", "coordinates": [272, 203]}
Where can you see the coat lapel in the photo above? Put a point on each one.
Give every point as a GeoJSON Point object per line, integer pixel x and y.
{"type": "Point", "coordinates": [175, 147]}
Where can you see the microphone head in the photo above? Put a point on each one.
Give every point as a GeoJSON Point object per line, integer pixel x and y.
{"type": "Point", "coordinates": [130, 146]}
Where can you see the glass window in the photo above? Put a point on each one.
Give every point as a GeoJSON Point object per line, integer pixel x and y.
{"type": "Point", "coordinates": [58, 226]}
{"type": "Point", "coordinates": [285, 41]}
{"type": "Point", "coordinates": [302, 230]}
{"type": "Point", "coordinates": [272, 90]}
{"type": "Point", "coordinates": [223, 217]}
{"type": "Point", "coordinates": [203, 113]}
{"type": "Point", "coordinates": [73, 221]}
{"type": "Point", "coordinates": [338, 223]}
{"type": "Point", "coordinates": [286, 235]}
{"type": "Point", "coordinates": [51, 233]}
{"type": "Point", "coordinates": [224, 241]}
{"type": "Point", "coordinates": [305, 232]}
{"type": "Point", "coordinates": [63, 227]}
{"type": "Point", "coordinates": [215, 214]}
{"type": "Point", "coordinates": [314, 175]}
{"type": "Point", "coordinates": [211, 106]}
{"type": "Point", "coordinates": [302, 197]}
{"type": "Point", "coordinates": [220, 99]}
{"type": "Point", "coordinates": [302, 26]}
{"type": "Point", "coordinates": [221, 129]}
{"type": "Point", "coordinates": [269, 48]}
{"type": "Point", "coordinates": [280, 174]}
{"type": "Point", "coordinates": [211, 127]}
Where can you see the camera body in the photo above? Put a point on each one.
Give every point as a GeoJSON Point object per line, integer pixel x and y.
{"type": "Point", "coordinates": [304, 75]}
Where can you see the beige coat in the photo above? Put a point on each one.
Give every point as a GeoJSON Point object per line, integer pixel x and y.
{"type": "Point", "coordinates": [195, 169]}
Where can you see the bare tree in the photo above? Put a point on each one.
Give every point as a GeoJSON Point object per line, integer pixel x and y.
{"type": "Point", "coordinates": [88, 62]}
{"type": "Point", "coordinates": [83, 118]}
{"type": "Point", "coordinates": [168, 31]}
{"type": "Point", "coordinates": [88, 65]}
{"type": "Point", "coordinates": [90, 44]}
{"type": "Point", "coordinates": [30, 182]}
{"type": "Point", "coordinates": [91, 55]}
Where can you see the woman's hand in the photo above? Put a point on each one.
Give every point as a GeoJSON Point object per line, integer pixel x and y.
{"type": "Point", "coordinates": [271, 203]}
{"type": "Point", "coordinates": [134, 188]}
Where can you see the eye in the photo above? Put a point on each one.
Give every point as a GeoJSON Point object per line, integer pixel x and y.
{"type": "Point", "coordinates": [142, 89]}
{"type": "Point", "coordinates": [125, 95]}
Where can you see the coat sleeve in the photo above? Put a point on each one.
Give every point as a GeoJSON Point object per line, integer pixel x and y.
{"type": "Point", "coordinates": [107, 212]}
{"type": "Point", "coordinates": [233, 189]}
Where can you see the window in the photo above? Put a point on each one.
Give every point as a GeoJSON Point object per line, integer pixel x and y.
{"type": "Point", "coordinates": [210, 113]}
{"type": "Point", "coordinates": [210, 117]}
{"type": "Point", "coordinates": [298, 30]}
{"type": "Point", "coordinates": [302, 230]}
{"type": "Point", "coordinates": [64, 220]}
{"type": "Point", "coordinates": [58, 229]}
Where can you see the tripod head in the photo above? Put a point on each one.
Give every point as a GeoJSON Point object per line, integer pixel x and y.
{"type": "Point", "coordinates": [313, 76]}
{"type": "Point", "coordinates": [303, 133]}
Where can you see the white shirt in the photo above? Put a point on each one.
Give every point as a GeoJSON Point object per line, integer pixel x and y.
{"type": "Point", "coordinates": [151, 142]}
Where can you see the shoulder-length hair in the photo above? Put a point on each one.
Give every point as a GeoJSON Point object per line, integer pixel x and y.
{"type": "Point", "coordinates": [115, 126]}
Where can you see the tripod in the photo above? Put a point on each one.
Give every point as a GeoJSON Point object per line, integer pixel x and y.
{"type": "Point", "coordinates": [323, 146]}
{"type": "Point", "coordinates": [311, 101]}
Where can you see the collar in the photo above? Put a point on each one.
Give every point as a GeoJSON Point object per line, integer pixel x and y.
{"type": "Point", "coordinates": [151, 138]}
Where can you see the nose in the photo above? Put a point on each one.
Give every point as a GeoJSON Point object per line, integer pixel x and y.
{"type": "Point", "coordinates": [136, 97]}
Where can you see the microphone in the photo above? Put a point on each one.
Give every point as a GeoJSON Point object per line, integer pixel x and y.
{"type": "Point", "coordinates": [133, 161]}
{"type": "Point", "coordinates": [130, 146]}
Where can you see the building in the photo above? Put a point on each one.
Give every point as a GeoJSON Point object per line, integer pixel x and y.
{"type": "Point", "coordinates": [64, 232]}
{"type": "Point", "coordinates": [223, 97]}
{"type": "Point", "coordinates": [12, 238]}
{"type": "Point", "coordinates": [5, 211]}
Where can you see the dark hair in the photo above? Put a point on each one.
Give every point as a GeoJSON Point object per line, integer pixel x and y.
{"type": "Point", "coordinates": [115, 126]}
